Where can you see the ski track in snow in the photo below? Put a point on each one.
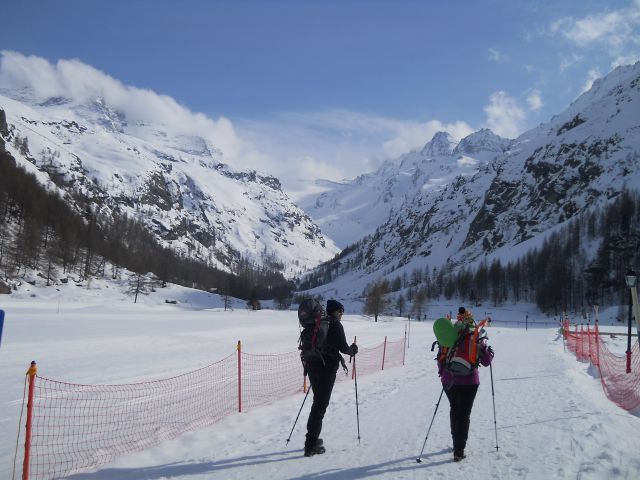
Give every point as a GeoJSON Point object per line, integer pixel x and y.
{"type": "Point", "coordinates": [553, 418]}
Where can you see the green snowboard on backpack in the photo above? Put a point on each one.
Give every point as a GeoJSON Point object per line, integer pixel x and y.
{"type": "Point", "coordinates": [446, 332]}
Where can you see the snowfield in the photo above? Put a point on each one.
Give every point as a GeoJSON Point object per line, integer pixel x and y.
{"type": "Point", "coordinates": [553, 418]}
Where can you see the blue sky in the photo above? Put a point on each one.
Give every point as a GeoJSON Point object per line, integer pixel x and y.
{"type": "Point", "coordinates": [336, 87]}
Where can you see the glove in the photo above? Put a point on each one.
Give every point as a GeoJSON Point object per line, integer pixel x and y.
{"type": "Point", "coordinates": [490, 350]}
{"type": "Point", "coordinates": [354, 349]}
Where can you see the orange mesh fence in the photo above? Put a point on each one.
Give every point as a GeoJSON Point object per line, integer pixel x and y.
{"type": "Point", "coordinates": [395, 354]}
{"type": "Point", "coordinates": [369, 360]}
{"type": "Point", "coordinates": [620, 379]}
{"type": "Point", "coordinates": [621, 387]}
{"type": "Point", "coordinates": [75, 428]}
{"type": "Point", "coordinates": [266, 378]}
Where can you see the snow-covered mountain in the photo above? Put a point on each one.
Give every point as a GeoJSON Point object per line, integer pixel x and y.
{"type": "Point", "coordinates": [486, 195]}
{"type": "Point", "coordinates": [451, 201]}
{"type": "Point", "coordinates": [351, 210]}
{"type": "Point", "coordinates": [177, 184]}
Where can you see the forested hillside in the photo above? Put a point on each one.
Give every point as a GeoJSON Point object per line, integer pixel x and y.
{"type": "Point", "coordinates": [580, 264]}
{"type": "Point", "coordinates": [40, 233]}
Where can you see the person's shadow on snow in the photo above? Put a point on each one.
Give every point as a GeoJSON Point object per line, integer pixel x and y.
{"type": "Point", "coordinates": [180, 469]}
{"type": "Point", "coordinates": [174, 470]}
{"type": "Point", "coordinates": [392, 466]}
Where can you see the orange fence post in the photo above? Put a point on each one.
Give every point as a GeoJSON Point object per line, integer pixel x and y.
{"type": "Point", "coordinates": [589, 340]}
{"type": "Point", "coordinates": [73, 410]}
{"type": "Point", "coordinates": [384, 351]}
{"type": "Point", "coordinates": [32, 372]}
{"type": "Point", "coordinates": [239, 376]}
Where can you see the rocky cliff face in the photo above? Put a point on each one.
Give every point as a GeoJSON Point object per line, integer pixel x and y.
{"type": "Point", "coordinates": [349, 211]}
{"type": "Point", "coordinates": [581, 158]}
{"type": "Point", "coordinates": [486, 195]}
{"type": "Point", "coordinates": [178, 185]}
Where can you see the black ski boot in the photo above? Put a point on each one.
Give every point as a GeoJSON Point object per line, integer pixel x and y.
{"type": "Point", "coordinates": [458, 455]}
{"type": "Point", "coordinates": [315, 449]}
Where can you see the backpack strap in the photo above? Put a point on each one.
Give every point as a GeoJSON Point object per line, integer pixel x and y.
{"type": "Point", "coordinates": [344, 365]}
{"type": "Point", "coordinates": [441, 350]}
{"type": "Point", "coordinates": [314, 335]}
{"type": "Point", "coordinates": [443, 353]}
{"type": "Point", "coordinates": [474, 341]}
{"type": "Point", "coordinates": [449, 353]}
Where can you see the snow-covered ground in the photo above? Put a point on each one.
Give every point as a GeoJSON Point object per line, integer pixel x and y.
{"type": "Point", "coordinates": [554, 420]}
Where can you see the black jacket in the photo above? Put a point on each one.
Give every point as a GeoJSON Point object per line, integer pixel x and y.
{"type": "Point", "coordinates": [336, 342]}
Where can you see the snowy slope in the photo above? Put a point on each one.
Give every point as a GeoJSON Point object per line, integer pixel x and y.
{"type": "Point", "coordinates": [514, 192]}
{"type": "Point", "coordinates": [350, 210]}
{"type": "Point", "coordinates": [553, 418]}
{"type": "Point", "coordinates": [176, 182]}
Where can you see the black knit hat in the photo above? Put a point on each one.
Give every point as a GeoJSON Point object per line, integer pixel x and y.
{"type": "Point", "coordinates": [333, 305]}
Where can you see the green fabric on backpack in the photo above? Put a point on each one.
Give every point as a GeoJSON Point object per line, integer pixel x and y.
{"type": "Point", "coordinates": [446, 332]}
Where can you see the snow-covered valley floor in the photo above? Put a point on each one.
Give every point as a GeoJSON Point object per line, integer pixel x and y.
{"type": "Point", "coordinates": [554, 420]}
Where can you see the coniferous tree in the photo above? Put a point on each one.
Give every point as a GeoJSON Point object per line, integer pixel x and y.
{"type": "Point", "coordinates": [418, 308]}
{"type": "Point", "coordinates": [39, 230]}
{"type": "Point", "coordinates": [400, 304]}
{"type": "Point", "coordinates": [496, 281]}
{"type": "Point", "coordinates": [138, 284]}
{"type": "Point", "coordinates": [376, 301]}
{"type": "Point", "coordinates": [253, 303]}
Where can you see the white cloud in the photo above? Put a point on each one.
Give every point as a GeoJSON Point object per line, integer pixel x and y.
{"type": "Point", "coordinates": [616, 32]}
{"type": "Point", "coordinates": [295, 147]}
{"type": "Point", "coordinates": [609, 28]}
{"type": "Point", "coordinates": [592, 76]}
{"type": "Point", "coordinates": [496, 56]}
{"type": "Point", "coordinates": [534, 100]}
{"type": "Point", "coordinates": [337, 144]}
{"type": "Point", "coordinates": [504, 115]}
{"type": "Point", "coordinates": [81, 83]}
{"type": "Point", "coordinates": [625, 59]}
{"type": "Point", "coordinates": [567, 61]}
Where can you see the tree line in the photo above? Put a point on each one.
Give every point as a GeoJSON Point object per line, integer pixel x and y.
{"type": "Point", "coordinates": [63, 237]}
{"type": "Point", "coordinates": [580, 265]}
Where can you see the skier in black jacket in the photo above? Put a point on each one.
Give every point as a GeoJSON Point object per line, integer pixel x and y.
{"type": "Point", "coordinates": [322, 375]}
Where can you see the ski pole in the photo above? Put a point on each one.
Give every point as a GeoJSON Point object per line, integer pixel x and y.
{"type": "Point", "coordinates": [355, 379]}
{"type": "Point", "coordinates": [419, 459]}
{"type": "Point", "coordinates": [493, 396]}
{"type": "Point", "coordinates": [299, 411]}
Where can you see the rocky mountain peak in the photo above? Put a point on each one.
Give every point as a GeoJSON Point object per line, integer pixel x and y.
{"type": "Point", "coordinates": [483, 140]}
{"type": "Point", "coordinates": [496, 197]}
{"type": "Point", "coordinates": [173, 182]}
{"type": "Point", "coordinates": [441, 144]}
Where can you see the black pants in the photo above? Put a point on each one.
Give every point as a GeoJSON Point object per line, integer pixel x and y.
{"type": "Point", "coordinates": [461, 399]}
{"type": "Point", "coordinates": [322, 379]}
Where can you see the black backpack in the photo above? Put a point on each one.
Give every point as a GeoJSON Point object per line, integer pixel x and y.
{"type": "Point", "coordinates": [315, 327]}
